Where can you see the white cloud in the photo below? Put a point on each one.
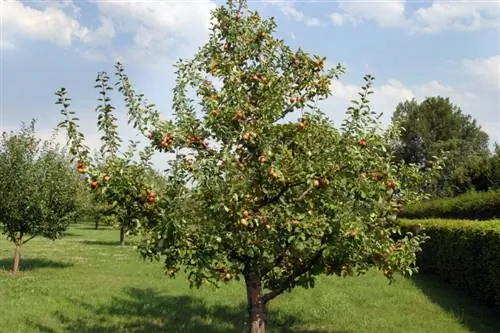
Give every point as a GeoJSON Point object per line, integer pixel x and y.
{"type": "Point", "coordinates": [433, 88]}
{"type": "Point", "coordinates": [159, 28]}
{"type": "Point", "coordinates": [313, 22]}
{"type": "Point", "coordinates": [51, 23]}
{"type": "Point", "coordinates": [440, 15]}
{"type": "Point", "coordinates": [485, 70]}
{"type": "Point", "coordinates": [387, 14]}
{"type": "Point", "coordinates": [6, 45]}
{"type": "Point", "coordinates": [457, 16]}
{"type": "Point", "coordinates": [384, 99]}
{"type": "Point", "coordinates": [337, 18]}
{"type": "Point", "coordinates": [482, 105]}
{"type": "Point", "coordinates": [288, 9]}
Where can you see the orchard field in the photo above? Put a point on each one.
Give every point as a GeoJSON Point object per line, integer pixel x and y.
{"type": "Point", "coordinates": [300, 221]}
{"type": "Point", "coordinates": [86, 282]}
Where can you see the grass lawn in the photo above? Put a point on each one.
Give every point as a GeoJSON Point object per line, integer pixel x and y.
{"type": "Point", "coordinates": [87, 283]}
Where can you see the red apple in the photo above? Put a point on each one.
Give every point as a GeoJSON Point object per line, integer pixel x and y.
{"type": "Point", "coordinates": [390, 184]}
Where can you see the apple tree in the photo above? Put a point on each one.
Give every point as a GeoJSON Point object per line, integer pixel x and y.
{"type": "Point", "coordinates": [39, 189]}
{"type": "Point", "coordinates": [261, 185]}
{"type": "Point", "coordinates": [273, 201]}
{"type": "Point", "coordinates": [123, 185]}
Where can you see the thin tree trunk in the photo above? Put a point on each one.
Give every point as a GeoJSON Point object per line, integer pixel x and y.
{"type": "Point", "coordinates": [256, 306]}
{"type": "Point", "coordinates": [96, 224]}
{"type": "Point", "coordinates": [17, 257]}
{"type": "Point", "coordinates": [122, 235]}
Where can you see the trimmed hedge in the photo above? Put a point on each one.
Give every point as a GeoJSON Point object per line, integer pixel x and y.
{"type": "Point", "coordinates": [471, 205]}
{"type": "Point", "coordinates": [465, 254]}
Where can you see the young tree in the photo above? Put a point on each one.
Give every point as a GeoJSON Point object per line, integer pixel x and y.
{"type": "Point", "coordinates": [276, 204]}
{"type": "Point", "coordinates": [123, 187]}
{"type": "Point", "coordinates": [38, 189]}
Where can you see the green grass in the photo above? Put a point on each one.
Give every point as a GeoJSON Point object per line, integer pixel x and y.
{"type": "Point", "coordinates": [87, 283]}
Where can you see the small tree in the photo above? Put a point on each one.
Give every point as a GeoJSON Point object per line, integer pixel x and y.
{"type": "Point", "coordinates": [124, 188]}
{"type": "Point", "coordinates": [38, 189]}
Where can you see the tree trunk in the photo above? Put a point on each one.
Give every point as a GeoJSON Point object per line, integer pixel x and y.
{"type": "Point", "coordinates": [96, 224]}
{"type": "Point", "coordinates": [17, 257]}
{"type": "Point", "coordinates": [122, 235]}
{"type": "Point", "coordinates": [256, 307]}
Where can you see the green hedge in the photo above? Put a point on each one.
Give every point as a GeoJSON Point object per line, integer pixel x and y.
{"type": "Point", "coordinates": [465, 254]}
{"type": "Point", "coordinates": [471, 205]}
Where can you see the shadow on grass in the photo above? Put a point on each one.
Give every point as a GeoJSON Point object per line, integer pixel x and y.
{"type": "Point", "coordinates": [100, 242]}
{"type": "Point", "coordinates": [145, 311]}
{"type": "Point", "coordinates": [33, 264]}
{"type": "Point", "coordinates": [71, 234]}
{"type": "Point", "coordinates": [473, 315]}
{"type": "Point", "coordinates": [91, 226]}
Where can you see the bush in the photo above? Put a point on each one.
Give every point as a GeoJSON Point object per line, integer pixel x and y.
{"type": "Point", "coordinates": [465, 254]}
{"type": "Point", "coordinates": [471, 205]}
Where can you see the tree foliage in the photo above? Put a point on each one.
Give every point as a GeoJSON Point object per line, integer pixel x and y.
{"type": "Point", "coordinates": [123, 185]}
{"type": "Point", "coordinates": [436, 127]}
{"type": "Point", "coordinates": [40, 192]}
{"type": "Point", "coordinates": [250, 196]}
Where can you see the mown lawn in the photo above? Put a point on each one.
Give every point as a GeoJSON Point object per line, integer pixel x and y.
{"type": "Point", "coordinates": [87, 283]}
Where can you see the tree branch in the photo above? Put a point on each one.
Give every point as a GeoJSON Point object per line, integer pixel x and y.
{"type": "Point", "coordinates": [297, 273]}
{"type": "Point", "coordinates": [27, 240]}
{"type": "Point", "coordinates": [270, 200]}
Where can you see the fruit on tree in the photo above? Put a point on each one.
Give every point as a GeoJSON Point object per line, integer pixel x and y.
{"type": "Point", "coordinates": [390, 184]}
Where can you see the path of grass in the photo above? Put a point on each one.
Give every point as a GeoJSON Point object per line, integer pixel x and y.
{"type": "Point", "coordinates": [86, 283]}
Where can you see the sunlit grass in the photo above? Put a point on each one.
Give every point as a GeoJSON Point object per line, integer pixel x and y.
{"type": "Point", "coordinates": [87, 283]}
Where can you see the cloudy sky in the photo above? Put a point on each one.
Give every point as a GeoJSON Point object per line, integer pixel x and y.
{"type": "Point", "coordinates": [413, 48]}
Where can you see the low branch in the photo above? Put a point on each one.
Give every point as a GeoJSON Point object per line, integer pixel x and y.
{"type": "Point", "coordinates": [297, 273]}
{"type": "Point", "coordinates": [27, 240]}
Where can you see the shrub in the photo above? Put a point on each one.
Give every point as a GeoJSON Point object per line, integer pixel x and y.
{"type": "Point", "coordinates": [471, 205]}
{"type": "Point", "coordinates": [465, 254]}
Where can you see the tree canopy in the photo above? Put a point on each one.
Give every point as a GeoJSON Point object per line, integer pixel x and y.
{"type": "Point", "coordinates": [437, 127]}
{"type": "Point", "coordinates": [249, 196]}
{"type": "Point", "coordinates": [40, 192]}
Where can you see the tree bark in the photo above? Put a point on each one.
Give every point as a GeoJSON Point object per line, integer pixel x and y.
{"type": "Point", "coordinates": [122, 235]}
{"type": "Point", "coordinates": [256, 305]}
{"type": "Point", "coordinates": [17, 257]}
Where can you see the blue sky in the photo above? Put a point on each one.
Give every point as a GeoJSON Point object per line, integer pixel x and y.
{"type": "Point", "coordinates": [413, 48]}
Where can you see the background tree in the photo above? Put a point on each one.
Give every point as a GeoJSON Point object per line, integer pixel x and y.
{"type": "Point", "coordinates": [125, 187]}
{"type": "Point", "coordinates": [39, 189]}
{"type": "Point", "coordinates": [436, 126]}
